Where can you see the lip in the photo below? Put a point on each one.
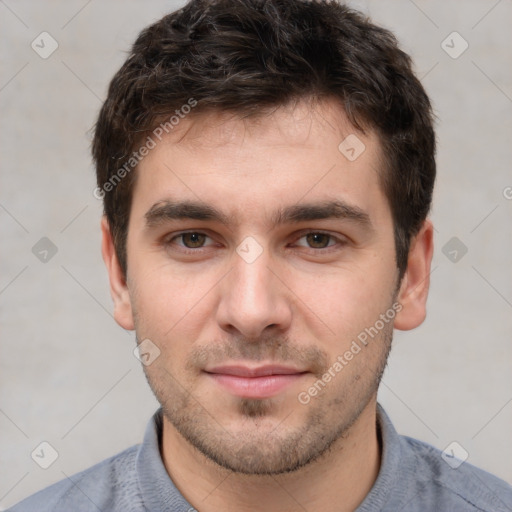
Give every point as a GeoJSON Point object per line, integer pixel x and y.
{"type": "Point", "coordinates": [255, 382]}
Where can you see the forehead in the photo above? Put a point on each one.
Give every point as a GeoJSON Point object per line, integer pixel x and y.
{"type": "Point", "coordinates": [245, 167]}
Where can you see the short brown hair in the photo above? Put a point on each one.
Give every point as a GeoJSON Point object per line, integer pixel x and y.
{"type": "Point", "coordinates": [243, 56]}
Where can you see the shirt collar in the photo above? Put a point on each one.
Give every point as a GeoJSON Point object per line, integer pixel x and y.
{"type": "Point", "coordinates": [157, 489]}
{"type": "Point", "coordinates": [392, 464]}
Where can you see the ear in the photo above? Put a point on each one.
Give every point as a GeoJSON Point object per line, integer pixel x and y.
{"type": "Point", "coordinates": [118, 289]}
{"type": "Point", "coordinates": [415, 283]}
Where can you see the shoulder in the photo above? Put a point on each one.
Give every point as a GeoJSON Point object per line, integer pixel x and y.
{"type": "Point", "coordinates": [440, 481]}
{"type": "Point", "coordinates": [109, 485]}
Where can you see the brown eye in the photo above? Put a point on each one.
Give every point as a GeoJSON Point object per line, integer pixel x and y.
{"type": "Point", "coordinates": [318, 240]}
{"type": "Point", "coordinates": [192, 240]}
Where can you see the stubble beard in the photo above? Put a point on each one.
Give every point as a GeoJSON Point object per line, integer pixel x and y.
{"type": "Point", "coordinates": [259, 450]}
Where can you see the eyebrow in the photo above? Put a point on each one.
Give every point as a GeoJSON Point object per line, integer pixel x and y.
{"type": "Point", "coordinates": [168, 210]}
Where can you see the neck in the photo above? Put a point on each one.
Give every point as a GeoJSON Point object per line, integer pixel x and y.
{"type": "Point", "coordinates": [339, 480]}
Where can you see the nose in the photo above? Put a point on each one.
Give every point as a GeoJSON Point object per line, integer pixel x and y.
{"type": "Point", "coordinates": [254, 298]}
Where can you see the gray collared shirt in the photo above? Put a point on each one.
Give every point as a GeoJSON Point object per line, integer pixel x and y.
{"type": "Point", "coordinates": [413, 477]}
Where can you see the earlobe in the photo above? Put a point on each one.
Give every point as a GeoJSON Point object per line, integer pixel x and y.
{"type": "Point", "coordinates": [118, 288]}
{"type": "Point", "coordinates": [415, 284]}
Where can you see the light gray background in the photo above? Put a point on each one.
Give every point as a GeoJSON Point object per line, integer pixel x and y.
{"type": "Point", "coordinates": [68, 375]}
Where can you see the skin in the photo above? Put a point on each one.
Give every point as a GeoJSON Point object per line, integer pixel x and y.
{"type": "Point", "coordinates": [301, 302]}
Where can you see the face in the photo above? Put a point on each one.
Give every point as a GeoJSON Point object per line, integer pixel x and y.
{"type": "Point", "coordinates": [261, 264]}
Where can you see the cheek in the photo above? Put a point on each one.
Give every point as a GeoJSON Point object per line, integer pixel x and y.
{"type": "Point", "coordinates": [347, 301]}
{"type": "Point", "coordinates": [168, 301]}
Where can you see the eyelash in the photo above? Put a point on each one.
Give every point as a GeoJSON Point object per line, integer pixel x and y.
{"type": "Point", "coordinates": [302, 234]}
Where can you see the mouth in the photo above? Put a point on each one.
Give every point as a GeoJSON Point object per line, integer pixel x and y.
{"type": "Point", "coordinates": [255, 382]}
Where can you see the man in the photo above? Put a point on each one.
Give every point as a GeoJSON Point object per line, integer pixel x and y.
{"type": "Point", "coordinates": [267, 170]}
